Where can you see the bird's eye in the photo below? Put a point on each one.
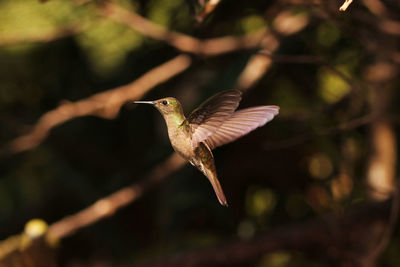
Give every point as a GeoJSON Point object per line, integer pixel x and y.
{"type": "Point", "coordinates": [165, 102]}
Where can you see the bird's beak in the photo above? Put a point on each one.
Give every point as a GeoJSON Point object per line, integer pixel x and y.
{"type": "Point", "coordinates": [144, 102]}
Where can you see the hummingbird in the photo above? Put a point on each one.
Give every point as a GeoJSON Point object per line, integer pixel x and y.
{"type": "Point", "coordinates": [214, 123]}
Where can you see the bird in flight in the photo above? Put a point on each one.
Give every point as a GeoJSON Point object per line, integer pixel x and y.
{"type": "Point", "coordinates": [214, 123]}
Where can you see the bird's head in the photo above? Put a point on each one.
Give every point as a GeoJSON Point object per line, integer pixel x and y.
{"type": "Point", "coordinates": [167, 105]}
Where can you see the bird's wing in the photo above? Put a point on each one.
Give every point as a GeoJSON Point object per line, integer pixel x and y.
{"type": "Point", "coordinates": [240, 123]}
{"type": "Point", "coordinates": [206, 119]}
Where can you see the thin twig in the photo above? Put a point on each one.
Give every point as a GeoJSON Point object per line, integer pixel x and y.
{"type": "Point", "coordinates": [285, 24]}
{"type": "Point", "coordinates": [345, 5]}
{"type": "Point", "coordinates": [207, 10]}
{"type": "Point", "coordinates": [182, 42]}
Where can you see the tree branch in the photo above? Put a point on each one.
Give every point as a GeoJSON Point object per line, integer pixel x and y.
{"type": "Point", "coordinates": [107, 206]}
{"type": "Point", "coordinates": [285, 24]}
{"type": "Point", "coordinates": [345, 5]}
{"type": "Point", "coordinates": [102, 208]}
{"type": "Point", "coordinates": [182, 42]}
{"type": "Point", "coordinates": [105, 104]}
{"type": "Point", "coordinates": [207, 10]}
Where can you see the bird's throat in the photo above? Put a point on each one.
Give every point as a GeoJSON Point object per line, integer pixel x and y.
{"type": "Point", "coordinates": [179, 135]}
{"type": "Point", "coordinates": [174, 120]}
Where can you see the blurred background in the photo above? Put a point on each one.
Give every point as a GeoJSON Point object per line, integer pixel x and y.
{"type": "Point", "coordinates": [86, 180]}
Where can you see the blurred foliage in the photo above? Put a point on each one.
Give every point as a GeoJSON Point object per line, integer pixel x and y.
{"type": "Point", "coordinates": [28, 18]}
{"type": "Point", "coordinates": [88, 158]}
{"type": "Point", "coordinates": [107, 44]}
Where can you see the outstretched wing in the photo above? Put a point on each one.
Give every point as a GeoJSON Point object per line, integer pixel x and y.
{"type": "Point", "coordinates": [206, 119]}
{"type": "Point", "coordinates": [241, 123]}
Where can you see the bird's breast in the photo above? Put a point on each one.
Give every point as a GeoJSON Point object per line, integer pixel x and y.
{"type": "Point", "coordinates": [181, 142]}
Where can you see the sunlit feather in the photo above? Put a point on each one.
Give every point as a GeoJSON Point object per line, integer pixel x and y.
{"type": "Point", "coordinates": [241, 123]}
{"type": "Point", "coordinates": [209, 116]}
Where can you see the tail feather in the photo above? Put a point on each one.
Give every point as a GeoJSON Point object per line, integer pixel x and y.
{"type": "Point", "coordinates": [212, 177]}
{"type": "Point", "coordinates": [204, 161]}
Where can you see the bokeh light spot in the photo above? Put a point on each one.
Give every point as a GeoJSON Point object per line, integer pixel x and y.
{"type": "Point", "coordinates": [246, 229]}
{"type": "Point", "coordinates": [260, 201]}
{"type": "Point", "coordinates": [320, 166]}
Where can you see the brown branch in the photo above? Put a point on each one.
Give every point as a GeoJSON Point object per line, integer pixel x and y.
{"type": "Point", "coordinates": [182, 42]}
{"type": "Point", "coordinates": [345, 5]}
{"type": "Point", "coordinates": [105, 104]}
{"type": "Point", "coordinates": [376, 7]}
{"type": "Point", "coordinates": [285, 24]}
{"type": "Point", "coordinates": [255, 69]}
{"type": "Point", "coordinates": [207, 10]}
{"type": "Point", "coordinates": [382, 160]}
{"type": "Point", "coordinates": [107, 206]}
{"type": "Point", "coordinates": [328, 236]}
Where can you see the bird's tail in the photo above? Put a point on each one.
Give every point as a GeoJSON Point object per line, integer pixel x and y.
{"type": "Point", "coordinates": [212, 176]}
{"type": "Point", "coordinates": [204, 161]}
